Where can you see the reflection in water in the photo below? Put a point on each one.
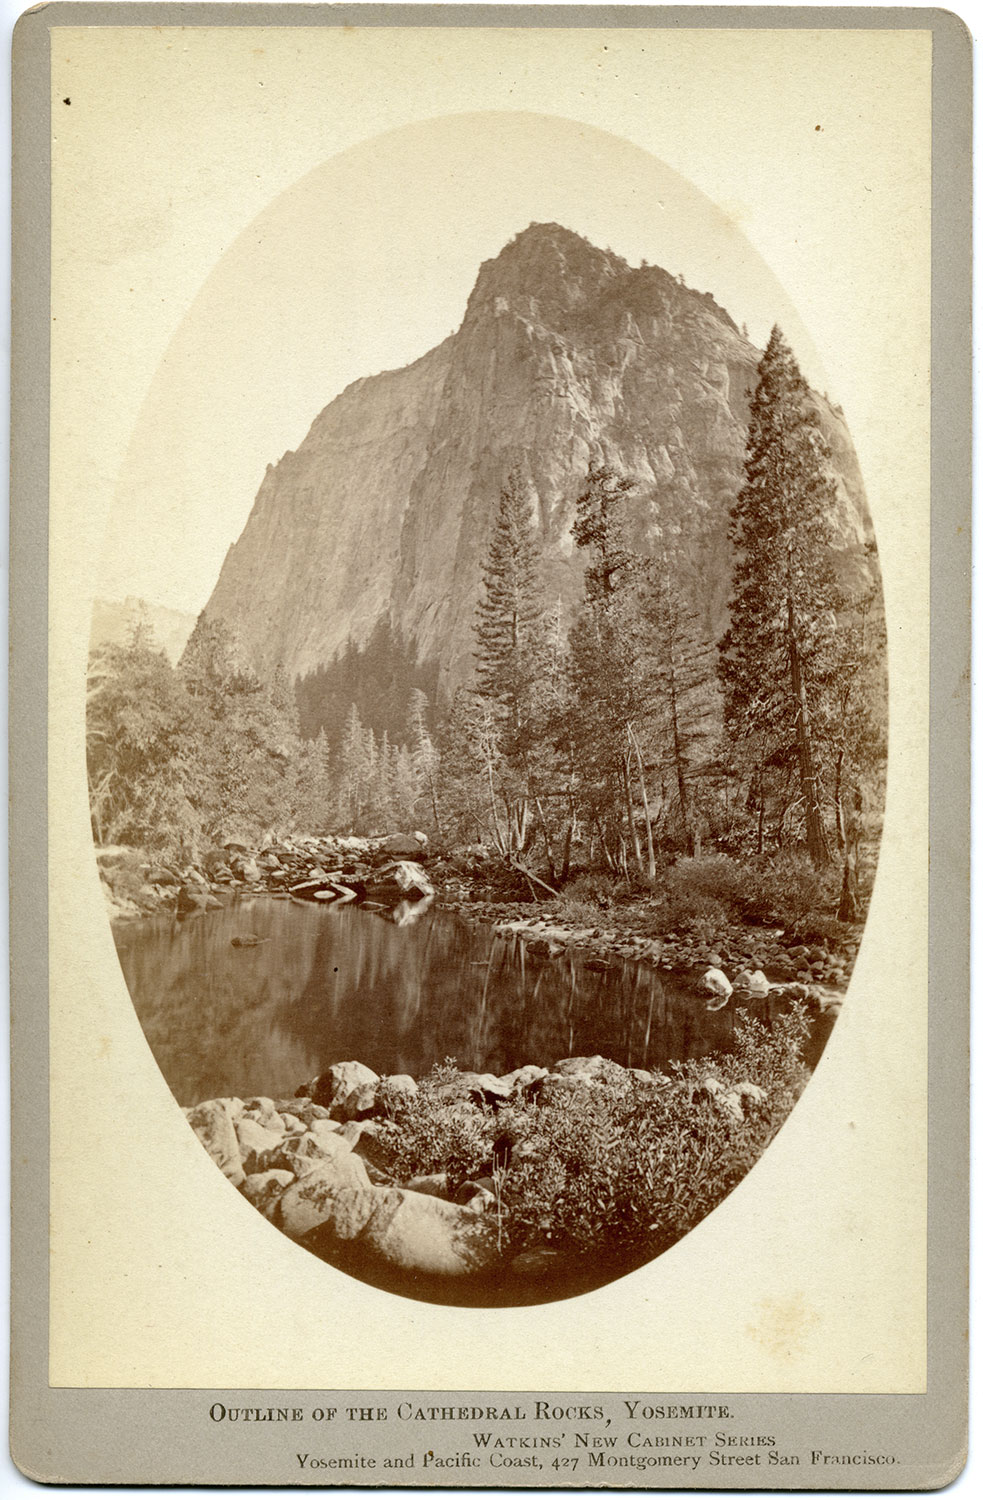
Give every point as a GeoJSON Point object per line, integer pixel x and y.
{"type": "Point", "coordinates": [341, 982]}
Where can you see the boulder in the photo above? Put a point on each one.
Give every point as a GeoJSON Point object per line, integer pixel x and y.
{"type": "Point", "coordinates": [477, 1086]}
{"type": "Point", "coordinates": [404, 880]}
{"type": "Point", "coordinates": [720, 987]}
{"type": "Point", "coordinates": [432, 1183]}
{"type": "Point", "coordinates": [587, 1067]}
{"type": "Point", "coordinates": [522, 1078]}
{"type": "Point", "coordinates": [214, 1123]}
{"type": "Point", "coordinates": [339, 1193]}
{"type": "Point", "coordinates": [264, 1112]}
{"type": "Point", "coordinates": [478, 1196]}
{"type": "Point", "coordinates": [402, 846]}
{"type": "Point", "coordinates": [303, 1108]}
{"type": "Point", "coordinates": [332, 1088]}
{"type": "Point", "coordinates": [416, 1233]}
{"type": "Point", "coordinates": [361, 1103]}
{"type": "Point", "coordinates": [308, 1153]}
{"type": "Point", "coordinates": [265, 1189]}
{"type": "Point", "coordinates": [410, 1232]}
{"type": "Point", "coordinates": [257, 1144]}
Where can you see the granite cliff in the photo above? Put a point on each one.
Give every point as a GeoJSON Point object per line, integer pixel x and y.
{"type": "Point", "coordinates": [565, 353]}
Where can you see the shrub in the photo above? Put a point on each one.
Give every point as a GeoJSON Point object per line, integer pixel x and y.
{"type": "Point", "coordinates": [789, 891]}
{"type": "Point", "coordinates": [598, 887]}
{"type": "Point", "coordinates": [578, 913]}
{"type": "Point", "coordinates": [615, 1169]}
{"type": "Point", "coordinates": [439, 1129]}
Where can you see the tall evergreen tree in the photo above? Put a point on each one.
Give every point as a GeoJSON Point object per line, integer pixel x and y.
{"type": "Point", "coordinates": [510, 640]}
{"type": "Point", "coordinates": [610, 700]}
{"type": "Point", "coordinates": [682, 670]}
{"type": "Point", "coordinates": [779, 657]}
{"type": "Point", "coordinates": [424, 756]}
{"type": "Point", "coordinates": [509, 628]}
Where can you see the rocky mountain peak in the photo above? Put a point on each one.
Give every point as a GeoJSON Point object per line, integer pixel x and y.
{"type": "Point", "coordinates": [545, 273]}
{"type": "Point", "coordinates": [565, 354]}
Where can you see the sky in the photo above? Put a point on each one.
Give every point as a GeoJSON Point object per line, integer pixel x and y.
{"type": "Point", "coordinates": [247, 221]}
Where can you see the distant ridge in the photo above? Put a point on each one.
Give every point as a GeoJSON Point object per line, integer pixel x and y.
{"type": "Point", "coordinates": [113, 622]}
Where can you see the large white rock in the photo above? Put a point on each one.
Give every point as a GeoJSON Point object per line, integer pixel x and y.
{"type": "Point", "coordinates": [213, 1122]}
{"type": "Point", "coordinates": [340, 1080]}
{"type": "Point", "coordinates": [256, 1144]}
{"type": "Point", "coordinates": [265, 1189]}
{"type": "Point", "coordinates": [311, 1200]}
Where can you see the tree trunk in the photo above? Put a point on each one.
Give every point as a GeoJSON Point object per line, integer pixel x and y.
{"type": "Point", "coordinates": [645, 803]}
{"type": "Point", "coordinates": [567, 845]}
{"type": "Point", "coordinates": [849, 907]}
{"type": "Point", "coordinates": [677, 755]}
{"type": "Point", "coordinates": [546, 839]}
{"type": "Point", "coordinates": [838, 803]}
{"type": "Point", "coordinates": [815, 832]}
{"type": "Point", "coordinates": [501, 838]}
{"type": "Point", "coordinates": [630, 812]}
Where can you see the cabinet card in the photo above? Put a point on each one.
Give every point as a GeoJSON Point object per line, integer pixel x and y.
{"type": "Point", "coordinates": [490, 631]}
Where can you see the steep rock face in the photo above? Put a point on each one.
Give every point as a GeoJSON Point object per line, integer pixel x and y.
{"type": "Point", "coordinates": [565, 354]}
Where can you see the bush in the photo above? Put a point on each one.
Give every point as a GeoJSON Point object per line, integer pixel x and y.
{"type": "Point", "coordinates": [439, 1129]}
{"type": "Point", "coordinates": [783, 890]}
{"type": "Point", "coordinates": [787, 890]}
{"type": "Point", "coordinates": [598, 887]}
{"type": "Point", "coordinates": [619, 1168]}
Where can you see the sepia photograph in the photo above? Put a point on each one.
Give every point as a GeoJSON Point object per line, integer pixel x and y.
{"type": "Point", "coordinates": [488, 857]}
{"type": "Point", "coordinates": [490, 489]}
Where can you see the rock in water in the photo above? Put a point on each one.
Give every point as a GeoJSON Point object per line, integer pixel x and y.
{"type": "Point", "coordinates": [402, 846]}
{"type": "Point", "coordinates": [404, 880]}
{"type": "Point", "coordinates": [720, 987]}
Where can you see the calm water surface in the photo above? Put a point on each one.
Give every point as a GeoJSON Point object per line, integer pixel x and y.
{"type": "Point", "coordinates": [333, 983]}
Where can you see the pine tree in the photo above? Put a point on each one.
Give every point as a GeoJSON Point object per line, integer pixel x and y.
{"type": "Point", "coordinates": [510, 613]}
{"type": "Point", "coordinates": [510, 639]}
{"type": "Point", "coordinates": [779, 657]}
{"type": "Point", "coordinates": [425, 757]}
{"type": "Point", "coordinates": [610, 703]}
{"type": "Point", "coordinates": [136, 716]}
{"type": "Point", "coordinates": [682, 669]}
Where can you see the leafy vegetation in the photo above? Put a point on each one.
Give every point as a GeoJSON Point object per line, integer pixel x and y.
{"type": "Point", "coordinates": [619, 1165]}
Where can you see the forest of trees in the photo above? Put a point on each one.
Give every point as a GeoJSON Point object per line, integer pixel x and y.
{"type": "Point", "coordinates": [619, 738]}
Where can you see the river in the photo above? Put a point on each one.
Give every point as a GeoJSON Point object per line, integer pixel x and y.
{"type": "Point", "coordinates": [327, 984]}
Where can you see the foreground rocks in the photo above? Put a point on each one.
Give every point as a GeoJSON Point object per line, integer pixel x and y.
{"type": "Point", "coordinates": [316, 1166]}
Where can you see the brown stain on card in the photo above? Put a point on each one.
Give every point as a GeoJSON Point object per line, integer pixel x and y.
{"type": "Point", "coordinates": [784, 1326]}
